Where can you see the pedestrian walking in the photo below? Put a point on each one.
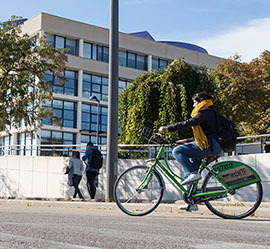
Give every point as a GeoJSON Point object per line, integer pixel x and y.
{"type": "Point", "coordinates": [76, 166]}
{"type": "Point", "coordinates": [94, 162]}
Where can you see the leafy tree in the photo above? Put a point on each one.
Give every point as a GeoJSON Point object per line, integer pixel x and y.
{"type": "Point", "coordinates": [23, 88]}
{"type": "Point", "coordinates": [244, 91]}
{"type": "Point", "coordinates": [161, 98]}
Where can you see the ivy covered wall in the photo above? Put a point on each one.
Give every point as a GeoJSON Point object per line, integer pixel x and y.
{"type": "Point", "coordinates": [161, 98]}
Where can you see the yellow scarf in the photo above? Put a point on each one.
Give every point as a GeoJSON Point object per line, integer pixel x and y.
{"type": "Point", "coordinates": [200, 138]}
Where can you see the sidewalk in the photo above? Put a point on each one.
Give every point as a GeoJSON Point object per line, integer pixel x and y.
{"type": "Point", "coordinates": [262, 212]}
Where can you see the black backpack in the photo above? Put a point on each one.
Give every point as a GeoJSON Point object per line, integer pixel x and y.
{"type": "Point", "coordinates": [97, 159]}
{"type": "Point", "coordinates": [226, 133]}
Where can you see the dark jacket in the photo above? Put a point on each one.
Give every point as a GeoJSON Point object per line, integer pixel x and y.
{"type": "Point", "coordinates": [206, 118]}
{"type": "Point", "coordinates": [88, 156]}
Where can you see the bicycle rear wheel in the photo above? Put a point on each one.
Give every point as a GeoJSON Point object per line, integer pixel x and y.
{"type": "Point", "coordinates": [240, 204]}
{"type": "Point", "coordinates": [138, 199]}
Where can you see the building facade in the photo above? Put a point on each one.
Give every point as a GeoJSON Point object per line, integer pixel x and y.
{"type": "Point", "coordinates": [87, 75]}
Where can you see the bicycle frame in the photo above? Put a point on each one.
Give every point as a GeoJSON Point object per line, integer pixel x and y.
{"type": "Point", "coordinates": [175, 178]}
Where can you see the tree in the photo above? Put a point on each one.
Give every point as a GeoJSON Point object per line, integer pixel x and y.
{"type": "Point", "coordinates": [23, 87]}
{"type": "Point", "coordinates": [161, 98]}
{"type": "Point", "coordinates": [244, 91]}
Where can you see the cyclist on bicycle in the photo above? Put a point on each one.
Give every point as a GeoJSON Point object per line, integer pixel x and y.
{"type": "Point", "coordinates": [189, 153]}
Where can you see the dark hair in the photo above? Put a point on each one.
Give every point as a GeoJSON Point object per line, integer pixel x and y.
{"type": "Point", "coordinates": [267, 148]}
{"type": "Point", "coordinates": [89, 144]}
{"type": "Point", "coordinates": [203, 96]}
{"type": "Point", "coordinates": [77, 154]}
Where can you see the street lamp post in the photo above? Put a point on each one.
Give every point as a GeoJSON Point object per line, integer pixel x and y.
{"type": "Point", "coordinates": [112, 131]}
{"type": "Point", "coordinates": [95, 99]}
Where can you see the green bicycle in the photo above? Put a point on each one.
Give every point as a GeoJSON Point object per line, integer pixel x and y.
{"type": "Point", "coordinates": [230, 189]}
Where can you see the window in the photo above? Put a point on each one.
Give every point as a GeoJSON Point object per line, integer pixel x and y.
{"type": "Point", "coordinates": [90, 118]}
{"type": "Point", "coordinates": [94, 85]}
{"type": "Point", "coordinates": [59, 42]}
{"type": "Point", "coordinates": [70, 86]}
{"type": "Point", "coordinates": [131, 60]}
{"type": "Point", "coordinates": [72, 46]}
{"type": "Point", "coordinates": [123, 59]}
{"type": "Point", "coordinates": [5, 145]}
{"type": "Point", "coordinates": [64, 113]}
{"type": "Point", "coordinates": [126, 59]}
{"type": "Point", "coordinates": [25, 140]}
{"type": "Point", "coordinates": [141, 62]}
{"type": "Point", "coordinates": [122, 84]}
{"type": "Point", "coordinates": [159, 63]}
{"type": "Point", "coordinates": [87, 50]}
{"type": "Point", "coordinates": [86, 138]}
{"type": "Point", "coordinates": [95, 52]}
{"type": "Point", "coordinates": [63, 42]}
{"type": "Point", "coordinates": [57, 138]}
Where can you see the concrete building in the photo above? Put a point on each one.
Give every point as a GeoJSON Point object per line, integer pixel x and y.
{"type": "Point", "coordinates": [87, 74]}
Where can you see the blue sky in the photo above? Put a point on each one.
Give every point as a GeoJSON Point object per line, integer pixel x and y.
{"type": "Point", "coordinates": [222, 27]}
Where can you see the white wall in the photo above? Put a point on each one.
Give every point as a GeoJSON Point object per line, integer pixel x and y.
{"type": "Point", "coordinates": [43, 177]}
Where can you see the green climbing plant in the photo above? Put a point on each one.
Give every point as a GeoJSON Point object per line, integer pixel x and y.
{"type": "Point", "coordinates": [161, 97]}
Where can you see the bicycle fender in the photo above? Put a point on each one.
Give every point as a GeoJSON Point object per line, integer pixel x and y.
{"type": "Point", "coordinates": [236, 174]}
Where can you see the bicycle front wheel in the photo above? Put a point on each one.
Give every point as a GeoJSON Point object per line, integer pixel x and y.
{"type": "Point", "coordinates": [239, 204]}
{"type": "Point", "coordinates": [137, 195]}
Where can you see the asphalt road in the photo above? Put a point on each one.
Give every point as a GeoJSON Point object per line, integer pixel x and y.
{"type": "Point", "coordinates": [60, 227]}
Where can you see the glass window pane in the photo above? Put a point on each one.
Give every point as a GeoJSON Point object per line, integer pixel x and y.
{"type": "Point", "coordinates": [141, 62]}
{"type": "Point", "coordinates": [105, 89]}
{"type": "Point", "coordinates": [58, 104]}
{"type": "Point", "coordinates": [99, 52]}
{"type": "Point", "coordinates": [68, 105]}
{"type": "Point", "coordinates": [68, 136]}
{"type": "Point", "coordinates": [123, 59]}
{"type": "Point", "coordinates": [105, 81]}
{"type": "Point", "coordinates": [70, 83]}
{"type": "Point", "coordinates": [162, 64]}
{"type": "Point", "coordinates": [71, 45]}
{"type": "Point", "coordinates": [154, 64]}
{"type": "Point", "coordinates": [86, 77]}
{"type": "Point", "coordinates": [85, 117]}
{"type": "Point", "coordinates": [50, 38]}
{"type": "Point", "coordinates": [131, 60]}
{"type": "Point", "coordinates": [68, 123]}
{"type": "Point", "coordinates": [68, 114]}
{"type": "Point", "coordinates": [70, 74]}
{"type": "Point", "coordinates": [96, 88]}
{"type": "Point", "coordinates": [96, 79]}
{"type": "Point", "coordinates": [56, 137]}
{"type": "Point", "coordinates": [94, 52]}
{"type": "Point", "coordinates": [86, 94]}
{"type": "Point", "coordinates": [122, 84]}
{"type": "Point", "coordinates": [59, 42]}
{"type": "Point", "coordinates": [87, 47]}
{"type": "Point", "coordinates": [105, 54]}
{"type": "Point", "coordinates": [85, 126]}
{"type": "Point", "coordinates": [86, 108]}
{"type": "Point", "coordinates": [57, 113]}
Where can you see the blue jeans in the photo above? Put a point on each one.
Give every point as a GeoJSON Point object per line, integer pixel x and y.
{"type": "Point", "coordinates": [189, 155]}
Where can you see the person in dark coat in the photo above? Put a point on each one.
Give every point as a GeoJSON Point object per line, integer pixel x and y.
{"type": "Point", "coordinates": [91, 173]}
{"type": "Point", "coordinates": [189, 153]}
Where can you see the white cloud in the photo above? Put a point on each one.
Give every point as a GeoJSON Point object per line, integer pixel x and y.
{"type": "Point", "coordinates": [248, 41]}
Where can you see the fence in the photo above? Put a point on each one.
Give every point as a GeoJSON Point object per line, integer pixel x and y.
{"type": "Point", "coordinates": [125, 151]}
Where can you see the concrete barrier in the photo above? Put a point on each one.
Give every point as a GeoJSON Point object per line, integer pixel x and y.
{"type": "Point", "coordinates": [43, 177]}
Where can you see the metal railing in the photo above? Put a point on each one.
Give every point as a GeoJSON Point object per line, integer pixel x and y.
{"type": "Point", "coordinates": [125, 150]}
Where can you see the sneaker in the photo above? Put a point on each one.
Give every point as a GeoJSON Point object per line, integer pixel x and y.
{"type": "Point", "coordinates": [188, 207]}
{"type": "Point", "coordinates": [191, 178]}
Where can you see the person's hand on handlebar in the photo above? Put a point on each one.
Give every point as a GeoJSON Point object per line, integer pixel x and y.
{"type": "Point", "coordinates": [162, 129]}
{"type": "Point", "coordinates": [181, 141]}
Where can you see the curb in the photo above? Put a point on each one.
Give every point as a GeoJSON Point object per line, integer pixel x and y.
{"type": "Point", "coordinates": [262, 212]}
